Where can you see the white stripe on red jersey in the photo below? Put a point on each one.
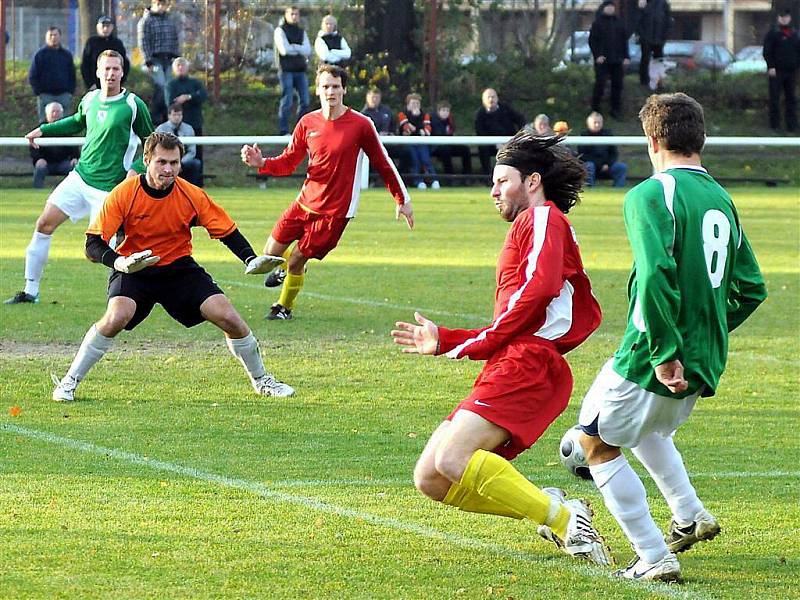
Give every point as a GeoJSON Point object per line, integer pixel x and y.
{"type": "Point", "coordinates": [542, 291]}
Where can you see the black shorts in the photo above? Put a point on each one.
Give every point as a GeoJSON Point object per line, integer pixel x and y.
{"type": "Point", "coordinates": [180, 287]}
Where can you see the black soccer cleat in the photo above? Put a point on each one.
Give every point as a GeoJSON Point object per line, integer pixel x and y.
{"type": "Point", "coordinates": [275, 278]}
{"type": "Point", "coordinates": [23, 298]}
{"type": "Point", "coordinates": [279, 312]}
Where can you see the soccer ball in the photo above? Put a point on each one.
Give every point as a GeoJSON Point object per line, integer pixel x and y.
{"type": "Point", "coordinates": [571, 454]}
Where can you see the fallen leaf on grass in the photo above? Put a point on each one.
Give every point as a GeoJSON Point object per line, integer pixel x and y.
{"type": "Point", "coordinates": [14, 411]}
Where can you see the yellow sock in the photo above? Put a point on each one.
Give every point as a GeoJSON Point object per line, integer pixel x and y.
{"type": "Point", "coordinates": [286, 254]}
{"type": "Point", "coordinates": [471, 501]}
{"type": "Point", "coordinates": [495, 479]}
{"type": "Point", "coordinates": [291, 287]}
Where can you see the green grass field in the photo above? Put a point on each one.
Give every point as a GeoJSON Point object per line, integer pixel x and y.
{"type": "Point", "coordinates": [169, 478]}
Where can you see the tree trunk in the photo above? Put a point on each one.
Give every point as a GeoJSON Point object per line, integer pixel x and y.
{"type": "Point", "coordinates": [390, 29]}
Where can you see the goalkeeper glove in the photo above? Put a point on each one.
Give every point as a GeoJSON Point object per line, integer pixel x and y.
{"type": "Point", "coordinates": [135, 262]}
{"type": "Point", "coordinates": [262, 264]}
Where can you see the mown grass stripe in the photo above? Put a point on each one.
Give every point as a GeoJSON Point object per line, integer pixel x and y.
{"type": "Point", "coordinates": [264, 491]}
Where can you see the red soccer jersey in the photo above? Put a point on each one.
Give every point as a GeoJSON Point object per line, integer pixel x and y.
{"type": "Point", "coordinates": [334, 148]}
{"type": "Point", "coordinates": [542, 291]}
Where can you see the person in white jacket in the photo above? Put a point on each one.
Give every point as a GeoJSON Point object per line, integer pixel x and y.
{"type": "Point", "coordinates": [330, 45]}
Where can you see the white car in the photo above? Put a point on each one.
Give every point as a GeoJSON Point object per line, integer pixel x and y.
{"type": "Point", "coordinates": [749, 59]}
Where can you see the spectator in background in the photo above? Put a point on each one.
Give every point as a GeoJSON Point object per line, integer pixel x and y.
{"type": "Point", "coordinates": [653, 24]}
{"type": "Point", "coordinates": [52, 74]}
{"type": "Point", "coordinates": [160, 42]}
{"type": "Point", "coordinates": [561, 127]}
{"type": "Point", "coordinates": [191, 167]}
{"type": "Point", "coordinates": [601, 160]}
{"type": "Point", "coordinates": [494, 118]}
{"type": "Point", "coordinates": [782, 53]}
{"type": "Point", "coordinates": [608, 41]}
{"type": "Point", "coordinates": [104, 40]}
{"type": "Point", "coordinates": [52, 160]}
{"type": "Point", "coordinates": [190, 94]}
{"type": "Point", "coordinates": [330, 45]}
{"type": "Point", "coordinates": [293, 50]}
{"type": "Point", "coordinates": [414, 122]}
{"type": "Point", "coordinates": [383, 119]}
{"type": "Point", "coordinates": [442, 123]}
{"type": "Point", "coordinates": [541, 125]}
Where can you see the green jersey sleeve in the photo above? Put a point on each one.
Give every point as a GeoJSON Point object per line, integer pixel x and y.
{"type": "Point", "coordinates": [651, 230]}
{"type": "Point", "coordinates": [747, 289]}
{"type": "Point", "coordinates": [70, 125]}
{"type": "Point", "coordinates": [142, 127]}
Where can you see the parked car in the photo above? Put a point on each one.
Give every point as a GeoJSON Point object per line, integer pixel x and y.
{"type": "Point", "coordinates": [749, 59]}
{"type": "Point", "coordinates": [691, 55]}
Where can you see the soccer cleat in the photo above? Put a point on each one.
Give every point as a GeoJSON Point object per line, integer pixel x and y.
{"type": "Point", "coordinates": [23, 298]}
{"type": "Point", "coordinates": [279, 312]}
{"type": "Point", "coordinates": [582, 540]}
{"type": "Point", "coordinates": [421, 186]}
{"type": "Point", "coordinates": [704, 527]}
{"type": "Point", "coordinates": [275, 277]}
{"type": "Point", "coordinates": [65, 388]}
{"type": "Point", "coordinates": [435, 185]}
{"type": "Point", "coordinates": [668, 570]}
{"type": "Point", "coordinates": [269, 386]}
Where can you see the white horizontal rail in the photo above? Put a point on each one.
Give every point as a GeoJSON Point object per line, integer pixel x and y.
{"type": "Point", "coordinates": [470, 140]}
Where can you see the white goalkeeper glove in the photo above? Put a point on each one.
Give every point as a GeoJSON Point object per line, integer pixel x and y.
{"type": "Point", "coordinates": [262, 264]}
{"type": "Point", "coordinates": [135, 262]}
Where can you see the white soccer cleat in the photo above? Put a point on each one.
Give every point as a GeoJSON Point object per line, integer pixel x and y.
{"type": "Point", "coordinates": [269, 386]}
{"type": "Point", "coordinates": [421, 186]}
{"type": "Point", "coordinates": [668, 570]}
{"type": "Point", "coordinates": [704, 527]}
{"type": "Point", "coordinates": [582, 539]}
{"type": "Point", "coordinates": [65, 388]}
{"type": "Point", "coordinates": [435, 185]}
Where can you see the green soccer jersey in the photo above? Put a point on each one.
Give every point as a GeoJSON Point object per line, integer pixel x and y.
{"type": "Point", "coordinates": [694, 279]}
{"type": "Point", "coordinates": [113, 127]}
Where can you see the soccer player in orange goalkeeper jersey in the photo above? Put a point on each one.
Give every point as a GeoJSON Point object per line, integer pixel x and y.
{"type": "Point", "coordinates": [154, 264]}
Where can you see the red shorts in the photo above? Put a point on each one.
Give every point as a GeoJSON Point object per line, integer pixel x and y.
{"type": "Point", "coordinates": [523, 388]}
{"type": "Point", "coordinates": [317, 234]}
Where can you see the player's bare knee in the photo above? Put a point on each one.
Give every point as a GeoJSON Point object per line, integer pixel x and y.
{"type": "Point", "coordinates": [450, 463]}
{"type": "Point", "coordinates": [430, 485]}
{"type": "Point", "coordinates": [296, 263]}
{"type": "Point", "coordinates": [45, 225]}
{"type": "Point", "coordinates": [596, 450]}
{"type": "Point", "coordinates": [114, 321]}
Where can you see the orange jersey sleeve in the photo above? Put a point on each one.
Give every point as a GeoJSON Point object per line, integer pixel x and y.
{"type": "Point", "coordinates": [115, 208]}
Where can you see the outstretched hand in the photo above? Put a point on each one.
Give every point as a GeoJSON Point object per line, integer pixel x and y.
{"type": "Point", "coordinates": [671, 375]}
{"type": "Point", "coordinates": [32, 135]}
{"type": "Point", "coordinates": [417, 339]}
{"type": "Point", "coordinates": [251, 156]}
{"type": "Point", "coordinates": [407, 212]}
{"type": "Point", "coordinates": [136, 261]}
{"type": "Point", "coordinates": [262, 264]}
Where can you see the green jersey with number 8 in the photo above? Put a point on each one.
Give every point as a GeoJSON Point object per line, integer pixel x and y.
{"type": "Point", "coordinates": [694, 279]}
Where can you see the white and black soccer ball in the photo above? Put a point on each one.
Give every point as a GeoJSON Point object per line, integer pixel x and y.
{"type": "Point", "coordinates": [571, 454]}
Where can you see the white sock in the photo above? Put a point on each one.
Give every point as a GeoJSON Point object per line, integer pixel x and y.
{"type": "Point", "coordinates": [93, 347]}
{"type": "Point", "coordinates": [35, 259]}
{"type": "Point", "coordinates": [247, 351]}
{"type": "Point", "coordinates": [662, 460]}
{"type": "Point", "coordinates": [626, 500]}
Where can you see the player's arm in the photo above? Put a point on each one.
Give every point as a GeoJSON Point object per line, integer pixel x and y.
{"type": "Point", "coordinates": [747, 289]}
{"type": "Point", "coordinates": [69, 125]}
{"type": "Point", "coordinates": [283, 164]}
{"type": "Point", "coordinates": [651, 230]}
{"type": "Point", "coordinates": [142, 127]}
{"type": "Point", "coordinates": [379, 158]}
{"type": "Point", "coordinates": [540, 284]}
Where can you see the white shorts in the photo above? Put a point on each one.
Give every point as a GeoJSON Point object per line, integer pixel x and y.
{"type": "Point", "coordinates": [626, 413]}
{"type": "Point", "coordinates": [77, 198]}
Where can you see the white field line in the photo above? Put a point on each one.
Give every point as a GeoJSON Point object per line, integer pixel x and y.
{"type": "Point", "coordinates": [266, 492]}
{"type": "Point", "coordinates": [374, 303]}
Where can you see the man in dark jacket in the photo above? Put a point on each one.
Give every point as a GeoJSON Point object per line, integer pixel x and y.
{"type": "Point", "coordinates": [653, 24]}
{"type": "Point", "coordinates": [190, 94]}
{"type": "Point", "coordinates": [52, 74]}
{"type": "Point", "coordinates": [95, 45]}
{"type": "Point", "coordinates": [601, 160]}
{"type": "Point", "coordinates": [52, 160]}
{"type": "Point", "coordinates": [292, 51]}
{"type": "Point", "coordinates": [608, 41]}
{"type": "Point", "coordinates": [782, 53]}
{"type": "Point", "coordinates": [159, 37]}
{"type": "Point", "coordinates": [494, 118]}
